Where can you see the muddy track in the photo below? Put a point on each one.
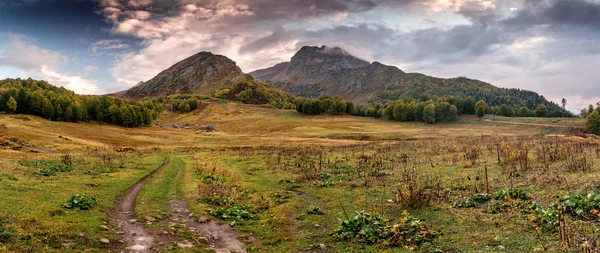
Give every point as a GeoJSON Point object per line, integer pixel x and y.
{"type": "Point", "coordinates": [137, 238]}
{"type": "Point", "coordinates": [219, 237]}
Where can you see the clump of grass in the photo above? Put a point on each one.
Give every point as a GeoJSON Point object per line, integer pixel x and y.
{"type": "Point", "coordinates": [210, 178]}
{"type": "Point", "coordinates": [315, 210]}
{"type": "Point", "coordinates": [417, 189]}
{"type": "Point", "coordinates": [80, 202]}
{"type": "Point", "coordinates": [7, 176]}
{"type": "Point", "coordinates": [47, 168]}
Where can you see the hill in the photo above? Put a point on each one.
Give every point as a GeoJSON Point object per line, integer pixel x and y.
{"type": "Point", "coordinates": [202, 73]}
{"type": "Point", "coordinates": [314, 71]}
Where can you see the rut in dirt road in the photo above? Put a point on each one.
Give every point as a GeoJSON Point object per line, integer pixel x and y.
{"type": "Point", "coordinates": [137, 238]}
{"type": "Point", "coordinates": [219, 237]}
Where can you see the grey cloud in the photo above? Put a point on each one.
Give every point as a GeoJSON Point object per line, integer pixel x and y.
{"type": "Point", "coordinates": [279, 34]}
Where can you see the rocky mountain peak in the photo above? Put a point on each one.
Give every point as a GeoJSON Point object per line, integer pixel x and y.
{"type": "Point", "coordinates": [331, 56]}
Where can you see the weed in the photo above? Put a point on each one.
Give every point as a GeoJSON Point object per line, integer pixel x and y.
{"type": "Point", "coordinates": [373, 228]}
{"type": "Point", "coordinates": [476, 200]}
{"type": "Point", "coordinates": [315, 210]}
{"type": "Point", "coordinates": [80, 202]}
{"type": "Point", "coordinates": [235, 214]}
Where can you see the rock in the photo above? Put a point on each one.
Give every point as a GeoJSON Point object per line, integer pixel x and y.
{"type": "Point", "coordinates": [132, 221]}
{"type": "Point", "coordinates": [185, 245]}
{"type": "Point", "coordinates": [137, 247]}
{"type": "Point", "coordinates": [104, 227]}
{"type": "Point", "coordinates": [148, 218]}
{"type": "Point", "coordinates": [67, 245]}
{"type": "Point", "coordinates": [322, 246]}
{"type": "Point", "coordinates": [203, 220]}
{"type": "Point", "coordinates": [207, 128]}
{"type": "Point", "coordinates": [215, 236]}
{"type": "Point", "coordinates": [165, 232]}
{"type": "Point", "coordinates": [222, 251]}
{"type": "Point", "coordinates": [81, 235]}
{"type": "Point", "coordinates": [104, 240]}
{"type": "Point", "coordinates": [203, 240]}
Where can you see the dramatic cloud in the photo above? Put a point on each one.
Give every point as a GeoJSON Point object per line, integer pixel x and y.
{"type": "Point", "coordinates": [20, 52]}
{"type": "Point", "coordinates": [513, 43]}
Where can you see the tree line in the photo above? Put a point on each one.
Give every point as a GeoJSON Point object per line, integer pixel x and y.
{"type": "Point", "coordinates": [426, 108]}
{"type": "Point", "coordinates": [57, 103]}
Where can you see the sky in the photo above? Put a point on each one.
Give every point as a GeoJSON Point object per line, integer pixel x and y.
{"type": "Point", "coordinates": [102, 46]}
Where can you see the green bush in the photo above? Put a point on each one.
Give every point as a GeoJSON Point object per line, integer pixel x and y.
{"type": "Point", "coordinates": [581, 204]}
{"type": "Point", "coordinates": [373, 228]}
{"type": "Point", "coordinates": [80, 202]}
{"type": "Point", "coordinates": [236, 214]}
{"type": "Point", "coordinates": [368, 228]}
{"type": "Point", "coordinates": [315, 210]}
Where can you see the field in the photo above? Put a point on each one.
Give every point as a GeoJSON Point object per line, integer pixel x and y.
{"type": "Point", "coordinates": [272, 180]}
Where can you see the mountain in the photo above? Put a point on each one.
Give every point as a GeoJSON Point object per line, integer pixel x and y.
{"type": "Point", "coordinates": [201, 73]}
{"type": "Point", "coordinates": [314, 71]}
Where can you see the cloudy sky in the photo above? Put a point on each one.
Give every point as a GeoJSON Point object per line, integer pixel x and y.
{"type": "Point", "coordinates": [100, 46]}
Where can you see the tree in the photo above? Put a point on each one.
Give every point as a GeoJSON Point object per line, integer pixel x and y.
{"type": "Point", "coordinates": [388, 111]}
{"type": "Point", "coordinates": [193, 104]}
{"type": "Point", "coordinates": [350, 109]}
{"type": "Point", "coordinates": [541, 111]}
{"type": "Point", "coordinates": [592, 124]}
{"type": "Point", "coordinates": [411, 111]}
{"type": "Point", "coordinates": [126, 117]}
{"type": "Point", "coordinates": [468, 106]}
{"type": "Point", "coordinates": [400, 113]}
{"type": "Point", "coordinates": [453, 113]}
{"type": "Point", "coordinates": [442, 110]}
{"type": "Point", "coordinates": [506, 111]}
{"type": "Point", "coordinates": [429, 113]}
{"type": "Point", "coordinates": [47, 109]}
{"type": "Point", "coordinates": [186, 108]}
{"type": "Point", "coordinates": [338, 106]}
{"type": "Point", "coordinates": [480, 108]}
{"type": "Point", "coordinates": [424, 97]}
{"type": "Point", "coordinates": [11, 105]}
{"type": "Point", "coordinates": [523, 112]}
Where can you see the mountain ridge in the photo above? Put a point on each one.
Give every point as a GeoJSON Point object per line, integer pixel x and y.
{"type": "Point", "coordinates": [201, 73]}
{"type": "Point", "coordinates": [308, 75]}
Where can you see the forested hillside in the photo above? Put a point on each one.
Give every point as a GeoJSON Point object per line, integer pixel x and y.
{"type": "Point", "coordinates": [45, 100]}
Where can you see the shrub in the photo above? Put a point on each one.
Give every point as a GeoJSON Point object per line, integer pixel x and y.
{"type": "Point", "coordinates": [411, 232]}
{"type": "Point", "coordinates": [368, 228]}
{"type": "Point", "coordinates": [80, 202]}
{"type": "Point", "coordinates": [581, 204]}
{"type": "Point", "coordinates": [236, 214]}
{"type": "Point", "coordinates": [373, 228]}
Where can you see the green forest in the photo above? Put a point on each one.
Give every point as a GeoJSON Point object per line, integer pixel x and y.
{"type": "Point", "coordinates": [53, 103]}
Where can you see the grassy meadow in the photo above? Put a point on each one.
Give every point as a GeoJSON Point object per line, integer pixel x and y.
{"type": "Point", "coordinates": [287, 182]}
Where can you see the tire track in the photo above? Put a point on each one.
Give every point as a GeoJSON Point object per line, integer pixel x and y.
{"type": "Point", "coordinates": [137, 238]}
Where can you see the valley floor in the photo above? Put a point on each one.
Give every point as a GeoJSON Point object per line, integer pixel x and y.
{"type": "Point", "coordinates": [276, 181]}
